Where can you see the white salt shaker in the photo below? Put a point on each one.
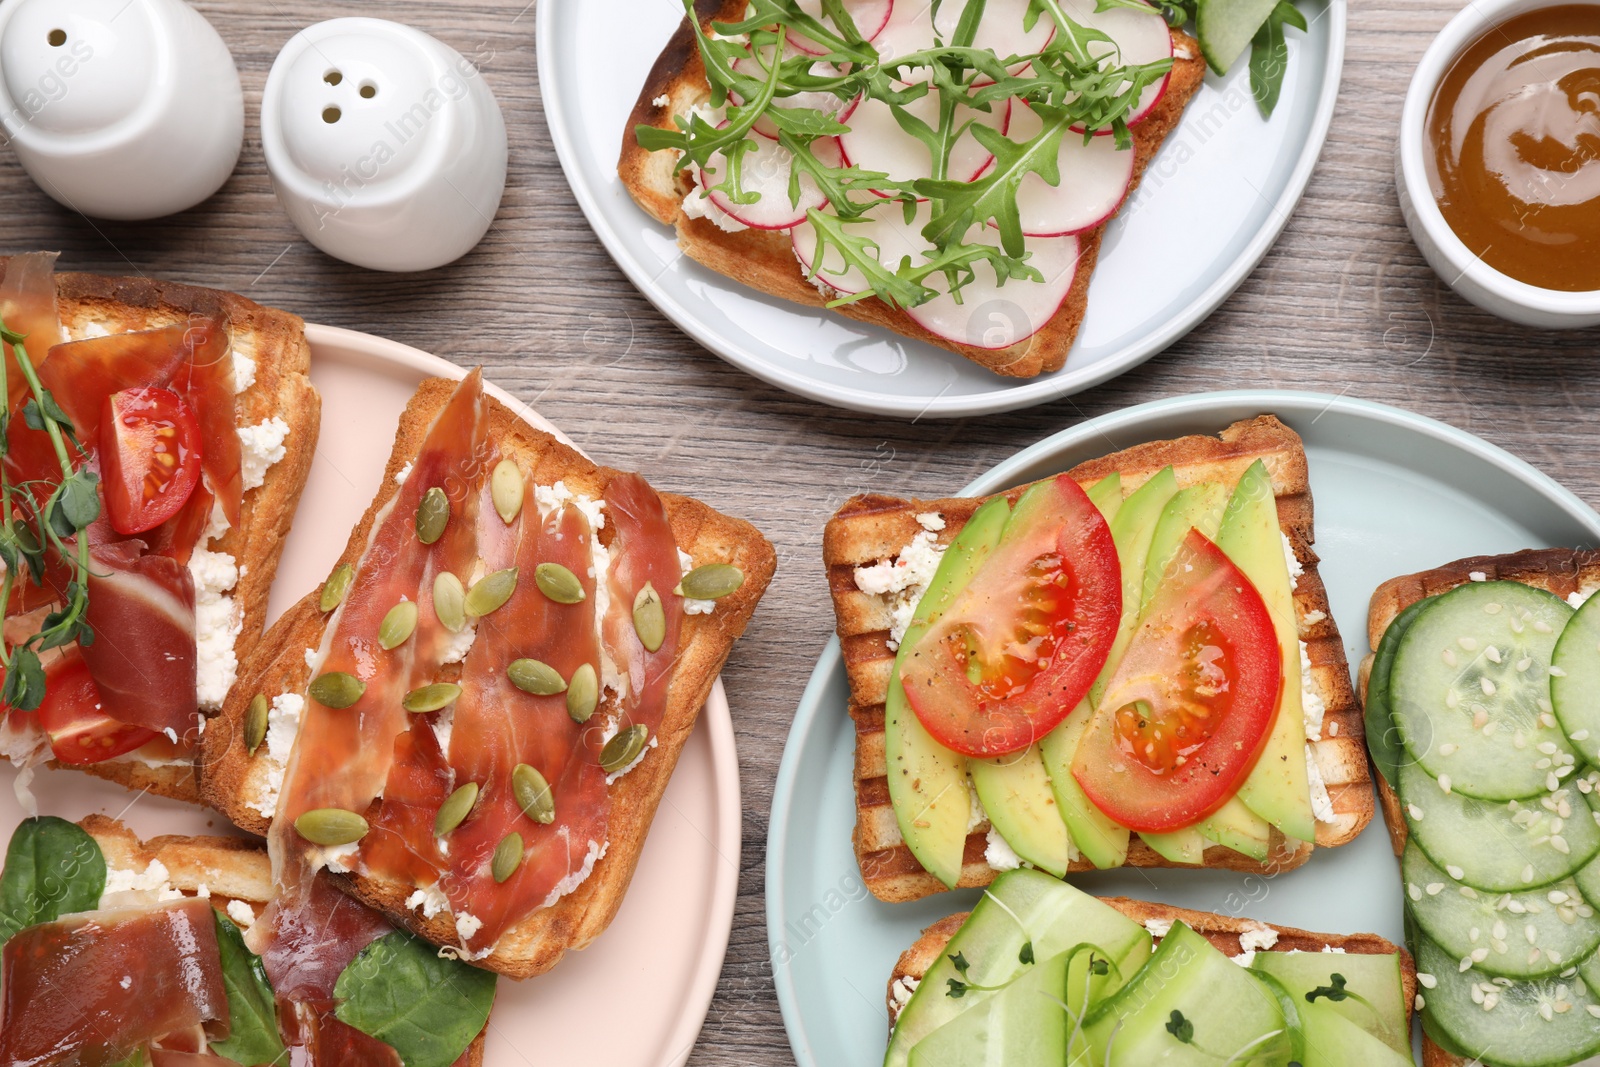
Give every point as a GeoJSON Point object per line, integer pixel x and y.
{"type": "Point", "coordinates": [121, 109]}
{"type": "Point", "coordinates": [385, 145]}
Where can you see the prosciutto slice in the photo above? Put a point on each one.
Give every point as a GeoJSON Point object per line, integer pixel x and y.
{"type": "Point", "coordinates": [28, 307]}
{"type": "Point", "coordinates": [498, 726]}
{"type": "Point", "coordinates": [642, 550]}
{"type": "Point", "coordinates": [134, 975]}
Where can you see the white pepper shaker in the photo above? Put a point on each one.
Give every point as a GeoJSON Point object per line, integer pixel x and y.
{"type": "Point", "coordinates": [385, 145]}
{"type": "Point", "coordinates": [120, 109]}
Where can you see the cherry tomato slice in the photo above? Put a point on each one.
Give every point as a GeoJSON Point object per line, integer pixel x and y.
{"type": "Point", "coordinates": [1189, 709]}
{"type": "Point", "coordinates": [70, 714]}
{"type": "Point", "coordinates": [1026, 639]}
{"type": "Point", "coordinates": [149, 455]}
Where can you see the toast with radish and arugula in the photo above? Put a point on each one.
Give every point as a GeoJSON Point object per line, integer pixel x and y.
{"type": "Point", "coordinates": [472, 722]}
{"type": "Point", "coordinates": [1483, 722]}
{"type": "Point", "coordinates": [155, 942]}
{"type": "Point", "coordinates": [946, 172]}
{"type": "Point", "coordinates": [1040, 974]}
{"type": "Point", "coordinates": [158, 441]}
{"type": "Point", "coordinates": [1132, 663]}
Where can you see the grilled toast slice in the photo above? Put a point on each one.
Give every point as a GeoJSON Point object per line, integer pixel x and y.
{"type": "Point", "coordinates": [227, 869]}
{"type": "Point", "coordinates": [244, 787]}
{"type": "Point", "coordinates": [274, 341]}
{"type": "Point", "coordinates": [1562, 571]}
{"type": "Point", "coordinates": [1221, 930]}
{"type": "Point", "coordinates": [764, 259]}
{"type": "Point", "coordinates": [868, 529]}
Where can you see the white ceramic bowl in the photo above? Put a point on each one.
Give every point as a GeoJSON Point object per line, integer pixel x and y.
{"type": "Point", "coordinates": [121, 109]}
{"type": "Point", "coordinates": [385, 145]}
{"type": "Point", "coordinates": [1446, 253]}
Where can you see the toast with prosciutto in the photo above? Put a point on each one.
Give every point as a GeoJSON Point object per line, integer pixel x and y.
{"type": "Point", "coordinates": [153, 938]}
{"type": "Point", "coordinates": [472, 723]}
{"type": "Point", "coordinates": [157, 440]}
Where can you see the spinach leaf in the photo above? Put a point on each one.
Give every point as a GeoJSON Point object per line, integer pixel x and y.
{"type": "Point", "coordinates": [53, 868]}
{"type": "Point", "coordinates": [429, 1009]}
{"type": "Point", "coordinates": [254, 1038]}
{"type": "Point", "coordinates": [1269, 55]}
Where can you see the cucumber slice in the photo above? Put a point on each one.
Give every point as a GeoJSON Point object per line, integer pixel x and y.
{"type": "Point", "coordinates": [1332, 1040]}
{"type": "Point", "coordinates": [1575, 679]}
{"type": "Point", "coordinates": [1383, 739]}
{"type": "Point", "coordinates": [1508, 846]}
{"type": "Point", "coordinates": [1237, 1018]}
{"type": "Point", "coordinates": [1022, 1025]}
{"type": "Point", "coordinates": [1470, 689]}
{"type": "Point", "coordinates": [1588, 882]}
{"type": "Point", "coordinates": [1528, 934]}
{"type": "Point", "coordinates": [1375, 978]}
{"type": "Point", "coordinates": [1504, 1021]}
{"type": "Point", "coordinates": [1226, 27]}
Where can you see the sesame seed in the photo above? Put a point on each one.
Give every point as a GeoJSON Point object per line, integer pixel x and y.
{"type": "Point", "coordinates": [1435, 888]}
{"type": "Point", "coordinates": [1455, 872]}
{"type": "Point", "coordinates": [1468, 644]}
{"type": "Point", "coordinates": [1487, 686]}
{"type": "Point", "coordinates": [1452, 699]}
{"type": "Point", "coordinates": [1466, 965]}
{"type": "Point", "coordinates": [1469, 892]}
{"type": "Point", "coordinates": [1444, 783]}
{"type": "Point", "coordinates": [1473, 935]}
{"type": "Point", "coordinates": [1333, 729]}
{"type": "Point", "coordinates": [1414, 811]}
{"type": "Point", "coordinates": [1426, 981]}
{"type": "Point", "coordinates": [1527, 873]}
{"type": "Point", "coordinates": [1524, 663]}
{"type": "Point", "coordinates": [1448, 749]}
{"type": "Point", "coordinates": [1491, 609]}
{"type": "Point", "coordinates": [1556, 896]}
{"type": "Point", "coordinates": [1554, 956]}
{"type": "Point", "coordinates": [1548, 748]}
{"type": "Point", "coordinates": [1449, 657]}
{"type": "Point", "coordinates": [1423, 1003]}
{"type": "Point", "coordinates": [1593, 1009]}
{"type": "Point", "coordinates": [1492, 654]}
{"type": "Point", "coordinates": [1490, 728]}
{"type": "Point", "coordinates": [1533, 957]}
{"type": "Point", "coordinates": [1413, 892]}
{"type": "Point", "coordinates": [1542, 627]}
{"type": "Point", "coordinates": [1498, 930]}
{"type": "Point", "coordinates": [1531, 932]}
{"type": "Point", "coordinates": [1557, 672]}
{"type": "Point", "coordinates": [1546, 1012]}
{"type": "Point", "coordinates": [1581, 735]}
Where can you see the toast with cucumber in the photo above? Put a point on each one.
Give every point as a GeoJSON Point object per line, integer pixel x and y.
{"type": "Point", "coordinates": [1040, 973]}
{"type": "Point", "coordinates": [1130, 664]}
{"type": "Point", "coordinates": [1483, 723]}
{"type": "Point", "coordinates": [152, 938]}
{"type": "Point", "coordinates": [472, 722]}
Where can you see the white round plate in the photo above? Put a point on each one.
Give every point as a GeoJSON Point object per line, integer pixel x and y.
{"type": "Point", "coordinates": [1211, 204]}
{"type": "Point", "coordinates": [662, 955]}
{"type": "Point", "coordinates": [1394, 493]}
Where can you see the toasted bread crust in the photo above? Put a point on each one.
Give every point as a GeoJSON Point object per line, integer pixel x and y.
{"type": "Point", "coordinates": [868, 529]}
{"type": "Point", "coordinates": [1221, 930]}
{"type": "Point", "coordinates": [765, 259]}
{"type": "Point", "coordinates": [275, 340]}
{"type": "Point", "coordinates": [230, 776]}
{"type": "Point", "coordinates": [1562, 571]}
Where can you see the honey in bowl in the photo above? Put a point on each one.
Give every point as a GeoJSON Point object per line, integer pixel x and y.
{"type": "Point", "coordinates": [1515, 136]}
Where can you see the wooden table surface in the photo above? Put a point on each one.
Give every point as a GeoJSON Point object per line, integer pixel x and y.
{"type": "Point", "coordinates": [1343, 304]}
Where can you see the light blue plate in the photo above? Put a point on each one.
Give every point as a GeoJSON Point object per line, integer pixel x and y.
{"type": "Point", "coordinates": [1394, 493]}
{"type": "Point", "coordinates": [1224, 184]}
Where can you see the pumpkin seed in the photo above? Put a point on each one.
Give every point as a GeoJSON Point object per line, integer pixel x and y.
{"type": "Point", "coordinates": [398, 625]}
{"type": "Point", "coordinates": [450, 602]}
{"type": "Point", "coordinates": [337, 585]}
{"type": "Point", "coordinates": [507, 857]}
{"type": "Point", "coordinates": [491, 591]}
{"type": "Point", "coordinates": [506, 489]}
{"type": "Point", "coordinates": [336, 689]}
{"type": "Point", "coordinates": [623, 749]}
{"type": "Point", "coordinates": [533, 794]}
{"type": "Point", "coordinates": [431, 697]}
{"type": "Point", "coordinates": [558, 583]}
{"type": "Point", "coordinates": [711, 582]}
{"type": "Point", "coordinates": [454, 811]}
{"type": "Point", "coordinates": [583, 693]}
{"type": "Point", "coordinates": [531, 676]}
{"type": "Point", "coordinates": [649, 618]}
{"type": "Point", "coordinates": [331, 827]}
{"type": "Point", "coordinates": [255, 723]}
{"type": "Point", "coordinates": [433, 515]}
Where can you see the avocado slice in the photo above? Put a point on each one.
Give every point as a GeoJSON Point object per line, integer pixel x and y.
{"type": "Point", "coordinates": [1278, 789]}
{"type": "Point", "coordinates": [1106, 494]}
{"type": "Point", "coordinates": [1237, 827]}
{"type": "Point", "coordinates": [1015, 790]}
{"type": "Point", "coordinates": [928, 782]}
{"type": "Point", "coordinates": [1133, 527]}
{"type": "Point", "coordinates": [1226, 28]}
{"type": "Point", "coordinates": [1184, 845]}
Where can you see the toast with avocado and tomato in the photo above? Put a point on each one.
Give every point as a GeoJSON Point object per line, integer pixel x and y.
{"type": "Point", "coordinates": [168, 429]}
{"type": "Point", "coordinates": [1040, 974]}
{"type": "Point", "coordinates": [1132, 663]}
{"type": "Point", "coordinates": [156, 941]}
{"type": "Point", "coordinates": [870, 187]}
{"type": "Point", "coordinates": [1483, 723]}
{"type": "Point", "coordinates": [472, 722]}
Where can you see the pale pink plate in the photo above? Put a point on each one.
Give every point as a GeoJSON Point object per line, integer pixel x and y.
{"type": "Point", "coordinates": [658, 963]}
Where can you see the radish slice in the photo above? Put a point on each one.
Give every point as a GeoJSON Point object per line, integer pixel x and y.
{"type": "Point", "coordinates": [870, 17]}
{"type": "Point", "coordinates": [1000, 30]}
{"type": "Point", "coordinates": [1141, 38]}
{"type": "Point", "coordinates": [1095, 178]}
{"type": "Point", "coordinates": [826, 103]}
{"type": "Point", "coordinates": [876, 142]}
{"type": "Point", "coordinates": [909, 29]}
{"type": "Point", "coordinates": [766, 172]}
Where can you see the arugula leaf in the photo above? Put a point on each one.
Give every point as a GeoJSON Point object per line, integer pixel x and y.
{"type": "Point", "coordinates": [429, 1009]}
{"type": "Point", "coordinates": [254, 1038]}
{"type": "Point", "coordinates": [53, 868]}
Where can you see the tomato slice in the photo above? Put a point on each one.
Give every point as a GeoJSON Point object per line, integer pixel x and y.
{"type": "Point", "coordinates": [1189, 709]}
{"type": "Point", "coordinates": [70, 714]}
{"type": "Point", "coordinates": [150, 456]}
{"type": "Point", "coordinates": [1026, 639]}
